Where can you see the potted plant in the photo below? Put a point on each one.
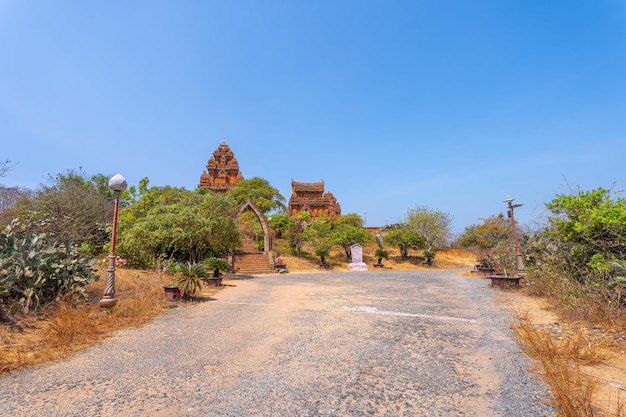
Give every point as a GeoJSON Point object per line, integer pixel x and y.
{"type": "Point", "coordinates": [216, 265]}
{"type": "Point", "coordinates": [172, 292]}
{"type": "Point", "coordinates": [504, 265]}
{"type": "Point", "coordinates": [189, 278]}
{"type": "Point", "coordinates": [380, 254]}
{"type": "Point", "coordinates": [279, 265]}
{"type": "Point", "coordinates": [486, 263]}
{"type": "Point", "coordinates": [323, 252]}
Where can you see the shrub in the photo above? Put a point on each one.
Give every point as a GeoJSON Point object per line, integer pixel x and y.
{"type": "Point", "coordinates": [217, 265]}
{"type": "Point", "coordinates": [190, 276]}
{"type": "Point", "coordinates": [35, 270]}
{"type": "Point", "coordinates": [381, 254]}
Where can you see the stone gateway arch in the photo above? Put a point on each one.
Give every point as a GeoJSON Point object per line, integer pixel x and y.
{"type": "Point", "coordinates": [268, 253]}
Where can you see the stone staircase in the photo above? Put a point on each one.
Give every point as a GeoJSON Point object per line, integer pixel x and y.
{"type": "Point", "coordinates": [249, 260]}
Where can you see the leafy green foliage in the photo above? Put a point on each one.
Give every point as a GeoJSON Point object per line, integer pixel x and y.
{"type": "Point", "coordinates": [216, 265]}
{"type": "Point", "coordinates": [281, 223]}
{"type": "Point", "coordinates": [348, 230]}
{"type": "Point", "coordinates": [404, 239]}
{"type": "Point", "coordinates": [35, 270]}
{"type": "Point", "coordinates": [319, 235]}
{"type": "Point", "coordinates": [266, 197]}
{"type": "Point", "coordinates": [580, 255]}
{"type": "Point", "coordinates": [429, 256]}
{"type": "Point", "coordinates": [322, 252]}
{"type": "Point", "coordinates": [174, 223]}
{"type": "Point", "coordinates": [296, 233]}
{"type": "Point", "coordinates": [381, 254]}
{"type": "Point", "coordinates": [73, 206]}
{"type": "Point", "coordinates": [592, 225]}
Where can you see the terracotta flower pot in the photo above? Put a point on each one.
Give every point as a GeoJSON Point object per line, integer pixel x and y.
{"type": "Point", "coordinates": [501, 281]}
{"type": "Point", "coordinates": [172, 292]}
{"type": "Point", "coordinates": [213, 282]}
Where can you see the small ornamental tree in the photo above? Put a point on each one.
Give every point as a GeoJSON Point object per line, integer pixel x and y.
{"type": "Point", "coordinates": [404, 239]}
{"type": "Point", "coordinates": [318, 234]}
{"type": "Point", "coordinates": [346, 235]}
{"type": "Point", "coordinates": [432, 225]}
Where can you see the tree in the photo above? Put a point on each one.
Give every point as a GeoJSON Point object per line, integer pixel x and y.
{"type": "Point", "coordinates": [266, 197]}
{"type": "Point", "coordinates": [348, 230]}
{"type": "Point", "coordinates": [592, 225]}
{"type": "Point", "coordinates": [9, 198]}
{"type": "Point", "coordinates": [404, 239]}
{"type": "Point", "coordinates": [319, 234]}
{"type": "Point", "coordinates": [492, 231]}
{"type": "Point", "coordinates": [72, 206]}
{"type": "Point", "coordinates": [174, 223]}
{"type": "Point", "coordinates": [432, 225]}
{"type": "Point", "coordinates": [295, 234]}
{"type": "Point", "coordinates": [280, 223]}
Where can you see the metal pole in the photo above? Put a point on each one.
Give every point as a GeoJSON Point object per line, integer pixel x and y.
{"type": "Point", "coordinates": [518, 253]}
{"type": "Point", "coordinates": [109, 299]}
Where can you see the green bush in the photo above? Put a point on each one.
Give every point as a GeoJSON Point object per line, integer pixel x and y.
{"type": "Point", "coordinates": [381, 254]}
{"type": "Point", "coordinates": [35, 270]}
{"type": "Point", "coordinates": [216, 265]}
{"type": "Point", "coordinates": [579, 257]}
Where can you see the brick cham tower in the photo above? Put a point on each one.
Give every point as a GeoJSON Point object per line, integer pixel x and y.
{"type": "Point", "coordinates": [310, 196]}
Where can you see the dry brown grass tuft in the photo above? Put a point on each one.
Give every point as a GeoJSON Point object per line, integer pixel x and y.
{"type": "Point", "coordinates": [69, 327]}
{"type": "Point", "coordinates": [561, 358]}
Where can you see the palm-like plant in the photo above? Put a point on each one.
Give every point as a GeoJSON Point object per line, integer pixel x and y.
{"type": "Point", "coordinates": [217, 265]}
{"type": "Point", "coordinates": [190, 278]}
{"type": "Point", "coordinates": [322, 252]}
{"type": "Point", "coordinates": [380, 254]}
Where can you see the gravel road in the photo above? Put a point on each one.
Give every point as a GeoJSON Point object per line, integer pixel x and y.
{"type": "Point", "coordinates": [398, 343]}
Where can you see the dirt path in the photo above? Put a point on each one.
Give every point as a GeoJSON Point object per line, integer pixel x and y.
{"type": "Point", "coordinates": [401, 343]}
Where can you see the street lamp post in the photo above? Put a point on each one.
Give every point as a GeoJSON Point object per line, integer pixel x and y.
{"type": "Point", "coordinates": [365, 217]}
{"type": "Point", "coordinates": [118, 184]}
{"type": "Point", "coordinates": [518, 253]}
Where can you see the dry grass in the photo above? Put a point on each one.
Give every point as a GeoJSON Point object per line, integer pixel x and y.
{"type": "Point", "coordinates": [66, 328]}
{"type": "Point", "coordinates": [446, 258]}
{"type": "Point", "coordinates": [573, 391]}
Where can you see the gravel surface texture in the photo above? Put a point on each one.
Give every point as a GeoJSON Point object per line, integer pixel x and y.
{"type": "Point", "coordinates": [398, 343]}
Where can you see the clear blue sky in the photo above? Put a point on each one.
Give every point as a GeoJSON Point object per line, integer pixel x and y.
{"type": "Point", "coordinates": [451, 104]}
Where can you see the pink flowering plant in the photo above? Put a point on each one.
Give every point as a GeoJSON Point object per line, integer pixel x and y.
{"type": "Point", "coordinates": [498, 259]}
{"type": "Point", "coordinates": [504, 263]}
{"type": "Point", "coordinates": [486, 259]}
